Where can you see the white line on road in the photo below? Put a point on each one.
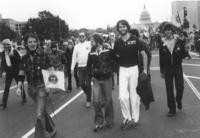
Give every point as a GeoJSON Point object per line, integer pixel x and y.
{"type": "Point", "coordinates": [13, 87]}
{"type": "Point", "coordinates": [30, 132]}
{"type": "Point", "coordinates": [193, 53]}
{"type": "Point", "coordinates": [155, 55]}
{"type": "Point", "coordinates": [193, 77]}
{"type": "Point", "coordinates": [185, 64]}
{"type": "Point", "coordinates": [196, 92]}
{"type": "Point", "coordinates": [155, 68]}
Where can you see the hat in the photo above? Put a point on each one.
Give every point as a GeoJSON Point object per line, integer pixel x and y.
{"type": "Point", "coordinates": [6, 41]}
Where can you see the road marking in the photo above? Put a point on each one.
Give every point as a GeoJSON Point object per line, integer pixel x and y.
{"type": "Point", "coordinates": [30, 132]}
{"type": "Point", "coordinates": [196, 92]}
{"type": "Point", "coordinates": [193, 53]}
{"type": "Point", "coordinates": [185, 64]}
{"type": "Point", "coordinates": [193, 77]}
{"type": "Point", "coordinates": [155, 55]}
{"type": "Point", "coordinates": [154, 68]}
{"type": "Point", "coordinates": [13, 87]}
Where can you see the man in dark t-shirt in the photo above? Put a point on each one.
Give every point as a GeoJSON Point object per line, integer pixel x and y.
{"type": "Point", "coordinates": [126, 50]}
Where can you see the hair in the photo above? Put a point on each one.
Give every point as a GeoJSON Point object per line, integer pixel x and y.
{"type": "Point", "coordinates": [135, 32]}
{"type": "Point", "coordinates": [168, 27]}
{"type": "Point", "coordinates": [123, 22]}
{"type": "Point", "coordinates": [27, 36]}
{"type": "Point", "coordinates": [70, 41]}
{"type": "Point", "coordinates": [54, 44]}
{"type": "Point", "coordinates": [97, 38]}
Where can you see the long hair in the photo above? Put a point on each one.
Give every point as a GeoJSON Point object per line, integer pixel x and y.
{"type": "Point", "coordinates": [33, 35]}
{"type": "Point", "coordinates": [97, 38]}
{"type": "Point", "coordinates": [123, 22]}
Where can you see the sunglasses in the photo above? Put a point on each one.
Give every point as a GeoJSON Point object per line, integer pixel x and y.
{"type": "Point", "coordinates": [81, 36]}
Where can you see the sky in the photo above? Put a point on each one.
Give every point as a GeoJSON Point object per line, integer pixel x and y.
{"type": "Point", "coordinates": [89, 14]}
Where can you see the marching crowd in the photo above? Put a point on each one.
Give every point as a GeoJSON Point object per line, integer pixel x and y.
{"type": "Point", "coordinates": [94, 64]}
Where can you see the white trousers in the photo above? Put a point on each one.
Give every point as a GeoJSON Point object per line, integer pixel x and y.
{"type": "Point", "coordinates": [129, 99]}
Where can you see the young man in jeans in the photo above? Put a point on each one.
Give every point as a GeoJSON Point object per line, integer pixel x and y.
{"type": "Point", "coordinates": [100, 68]}
{"type": "Point", "coordinates": [80, 57]}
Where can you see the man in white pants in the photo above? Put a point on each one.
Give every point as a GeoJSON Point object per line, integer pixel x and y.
{"type": "Point", "coordinates": [126, 49]}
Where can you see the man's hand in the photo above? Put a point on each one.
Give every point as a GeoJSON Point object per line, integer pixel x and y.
{"type": "Point", "coordinates": [143, 75]}
{"type": "Point", "coordinates": [162, 75]}
{"type": "Point", "coordinates": [19, 92]}
{"type": "Point", "coordinates": [48, 90]}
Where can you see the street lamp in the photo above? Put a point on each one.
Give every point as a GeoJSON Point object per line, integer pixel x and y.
{"type": "Point", "coordinates": [185, 21]}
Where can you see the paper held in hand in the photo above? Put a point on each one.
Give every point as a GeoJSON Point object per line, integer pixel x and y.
{"type": "Point", "coordinates": [54, 79]}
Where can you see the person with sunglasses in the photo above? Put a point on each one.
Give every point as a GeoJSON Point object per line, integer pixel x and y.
{"type": "Point", "coordinates": [80, 57]}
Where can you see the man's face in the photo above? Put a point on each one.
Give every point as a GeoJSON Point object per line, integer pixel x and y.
{"type": "Point", "coordinates": [168, 33]}
{"type": "Point", "coordinates": [112, 37]}
{"type": "Point", "coordinates": [54, 49]}
{"type": "Point", "coordinates": [70, 45]}
{"type": "Point", "coordinates": [81, 37]}
{"type": "Point", "coordinates": [32, 43]}
{"type": "Point", "coordinates": [123, 30]}
{"type": "Point", "coordinates": [7, 47]}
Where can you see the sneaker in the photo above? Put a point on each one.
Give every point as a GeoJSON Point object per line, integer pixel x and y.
{"type": "Point", "coordinates": [109, 125]}
{"type": "Point", "coordinates": [69, 91]}
{"type": "Point", "coordinates": [179, 106]}
{"type": "Point", "coordinates": [88, 105]}
{"type": "Point", "coordinates": [126, 124]}
{"type": "Point", "coordinates": [3, 106]}
{"type": "Point", "coordinates": [134, 124]}
{"type": "Point", "coordinates": [171, 113]}
{"type": "Point", "coordinates": [97, 128]}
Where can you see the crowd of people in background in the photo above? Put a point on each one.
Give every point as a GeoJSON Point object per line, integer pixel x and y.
{"type": "Point", "coordinates": [96, 62]}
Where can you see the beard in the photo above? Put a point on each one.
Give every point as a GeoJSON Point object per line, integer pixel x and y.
{"type": "Point", "coordinates": [123, 33]}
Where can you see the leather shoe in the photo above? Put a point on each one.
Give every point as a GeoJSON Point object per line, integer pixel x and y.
{"type": "Point", "coordinates": [3, 106]}
{"type": "Point", "coordinates": [179, 106]}
{"type": "Point", "coordinates": [171, 113]}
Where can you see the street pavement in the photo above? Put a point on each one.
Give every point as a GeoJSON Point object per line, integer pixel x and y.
{"type": "Point", "coordinates": [73, 120]}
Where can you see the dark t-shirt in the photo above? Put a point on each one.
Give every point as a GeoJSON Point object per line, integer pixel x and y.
{"type": "Point", "coordinates": [127, 51]}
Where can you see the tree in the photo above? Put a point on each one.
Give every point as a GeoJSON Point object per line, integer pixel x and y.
{"type": "Point", "coordinates": [6, 32]}
{"type": "Point", "coordinates": [47, 26]}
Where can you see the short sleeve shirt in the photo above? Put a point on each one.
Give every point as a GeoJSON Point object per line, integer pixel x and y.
{"type": "Point", "coordinates": [127, 51]}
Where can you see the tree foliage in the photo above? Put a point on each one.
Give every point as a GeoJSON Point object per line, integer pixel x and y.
{"type": "Point", "coordinates": [47, 26]}
{"type": "Point", "coordinates": [6, 32]}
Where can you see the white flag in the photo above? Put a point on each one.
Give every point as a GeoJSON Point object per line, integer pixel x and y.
{"type": "Point", "coordinates": [54, 79]}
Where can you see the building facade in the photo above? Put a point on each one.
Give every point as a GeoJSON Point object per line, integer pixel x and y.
{"type": "Point", "coordinates": [145, 21]}
{"type": "Point", "coordinates": [14, 25]}
{"type": "Point", "coordinates": [193, 13]}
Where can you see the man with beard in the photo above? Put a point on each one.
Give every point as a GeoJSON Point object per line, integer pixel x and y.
{"type": "Point", "coordinates": [31, 65]}
{"type": "Point", "coordinates": [80, 57]}
{"type": "Point", "coordinates": [100, 68]}
{"type": "Point", "coordinates": [126, 49]}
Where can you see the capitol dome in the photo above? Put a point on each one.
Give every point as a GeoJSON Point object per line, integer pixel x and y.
{"type": "Point", "coordinates": [145, 17]}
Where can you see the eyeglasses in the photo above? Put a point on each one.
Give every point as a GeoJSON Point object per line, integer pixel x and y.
{"type": "Point", "coordinates": [6, 44]}
{"type": "Point", "coordinates": [81, 36]}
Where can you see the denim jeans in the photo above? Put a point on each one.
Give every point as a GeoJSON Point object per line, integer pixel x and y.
{"type": "Point", "coordinates": [103, 88]}
{"type": "Point", "coordinates": [69, 75]}
{"type": "Point", "coordinates": [8, 81]}
{"type": "Point", "coordinates": [44, 123]}
{"type": "Point", "coordinates": [85, 82]}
